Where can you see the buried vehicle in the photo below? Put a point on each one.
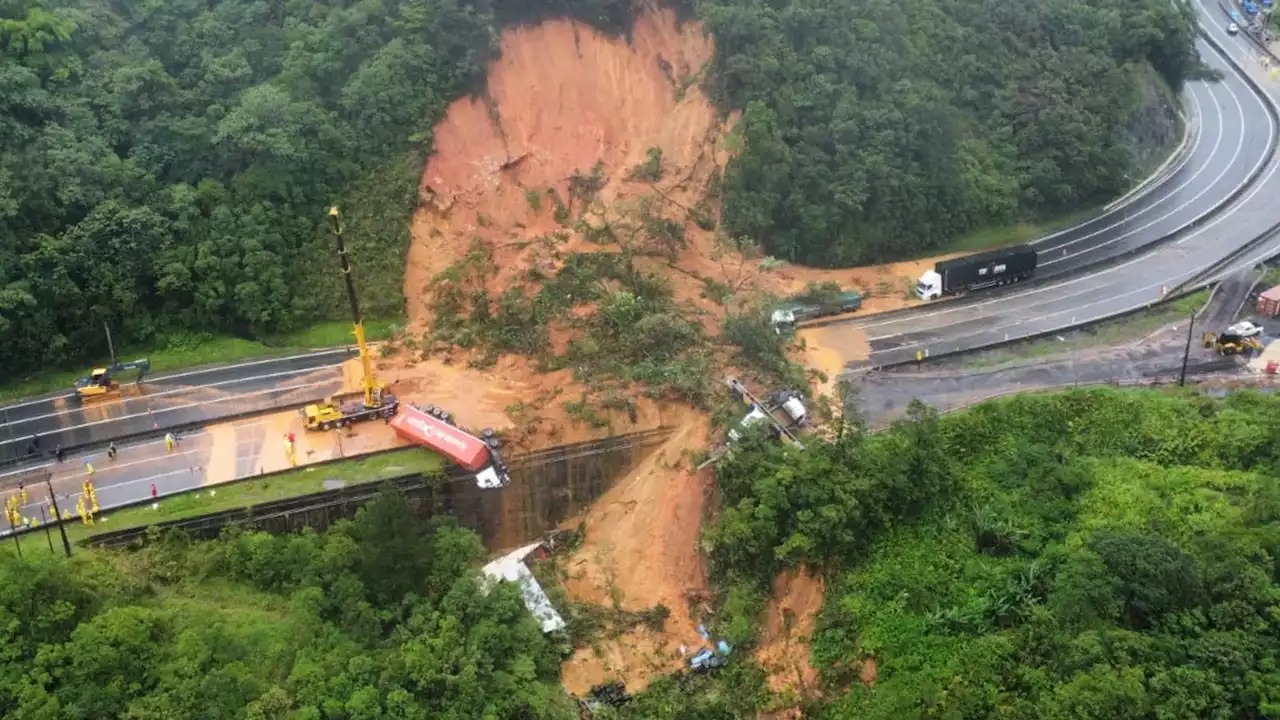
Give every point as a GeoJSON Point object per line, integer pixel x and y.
{"type": "Point", "coordinates": [433, 428]}
{"type": "Point", "coordinates": [1242, 338]}
{"type": "Point", "coordinates": [786, 317]}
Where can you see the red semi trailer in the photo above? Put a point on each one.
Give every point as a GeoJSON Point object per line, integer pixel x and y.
{"type": "Point", "coordinates": [468, 451]}
{"type": "Point", "coordinates": [1269, 302]}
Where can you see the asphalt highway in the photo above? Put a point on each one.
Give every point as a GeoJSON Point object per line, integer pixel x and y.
{"type": "Point", "coordinates": [168, 401]}
{"type": "Point", "coordinates": [1020, 311]}
{"type": "Point", "coordinates": [136, 468]}
{"type": "Point", "coordinates": [219, 453]}
{"type": "Point", "coordinates": [1214, 164]}
{"type": "Point", "coordinates": [1231, 133]}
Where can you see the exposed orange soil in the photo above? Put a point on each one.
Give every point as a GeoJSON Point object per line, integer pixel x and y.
{"type": "Point", "coordinates": [561, 99]}
{"type": "Point", "coordinates": [640, 550]}
{"type": "Point", "coordinates": [510, 397]}
{"type": "Point", "coordinates": [790, 614]}
{"type": "Point", "coordinates": [564, 98]}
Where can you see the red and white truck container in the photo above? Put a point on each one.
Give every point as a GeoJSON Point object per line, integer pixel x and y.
{"type": "Point", "coordinates": [432, 427]}
{"type": "Point", "coordinates": [1269, 302]}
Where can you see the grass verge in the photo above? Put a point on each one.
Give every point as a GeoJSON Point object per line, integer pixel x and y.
{"type": "Point", "coordinates": [1113, 332]}
{"type": "Point", "coordinates": [244, 493]}
{"type": "Point", "coordinates": [190, 352]}
{"type": "Point", "coordinates": [996, 237]}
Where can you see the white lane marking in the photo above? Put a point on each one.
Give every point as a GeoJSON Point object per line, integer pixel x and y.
{"type": "Point", "coordinates": [187, 436]}
{"type": "Point", "coordinates": [111, 466]}
{"type": "Point", "coordinates": [1050, 288]}
{"type": "Point", "coordinates": [33, 468]}
{"type": "Point", "coordinates": [207, 402]}
{"type": "Point", "coordinates": [221, 368]}
{"type": "Point", "coordinates": [218, 368]}
{"type": "Point", "coordinates": [184, 437]}
{"type": "Point", "coordinates": [105, 508]}
{"type": "Point", "coordinates": [1187, 147]}
{"type": "Point", "coordinates": [1235, 207]}
{"type": "Point", "coordinates": [1182, 154]}
{"type": "Point", "coordinates": [1229, 166]}
{"type": "Point", "coordinates": [148, 396]}
{"type": "Point", "coordinates": [1126, 218]}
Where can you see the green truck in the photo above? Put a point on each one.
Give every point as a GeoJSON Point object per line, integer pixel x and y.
{"type": "Point", "coordinates": [786, 316]}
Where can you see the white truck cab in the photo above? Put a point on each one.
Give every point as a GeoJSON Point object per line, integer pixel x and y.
{"type": "Point", "coordinates": [756, 415]}
{"type": "Point", "coordinates": [783, 321]}
{"type": "Point", "coordinates": [795, 409]}
{"type": "Point", "coordinates": [930, 285]}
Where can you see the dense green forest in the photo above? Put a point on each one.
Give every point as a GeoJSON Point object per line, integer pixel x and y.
{"type": "Point", "coordinates": [877, 129]}
{"type": "Point", "coordinates": [165, 166]}
{"type": "Point", "coordinates": [1093, 554]}
{"type": "Point", "coordinates": [377, 618]}
{"type": "Point", "coordinates": [1085, 555]}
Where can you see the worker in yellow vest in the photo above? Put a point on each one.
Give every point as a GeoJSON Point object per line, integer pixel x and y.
{"type": "Point", "coordinates": [91, 494]}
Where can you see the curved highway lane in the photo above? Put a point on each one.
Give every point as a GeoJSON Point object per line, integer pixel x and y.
{"type": "Point", "coordinates": [1228, 137]}
{"type": "Point", "coordinates": [1011, 313]}
{"type": "Point", "coordinates": [1231, 132]}
{"type": "Point", "coordinates": [1214, 166]}
{"type": "Point", "coordinates": [169, 401]}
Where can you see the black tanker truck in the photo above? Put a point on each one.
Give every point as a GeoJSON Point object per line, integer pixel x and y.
{"type": "Point", "coordinates": [978, 271]}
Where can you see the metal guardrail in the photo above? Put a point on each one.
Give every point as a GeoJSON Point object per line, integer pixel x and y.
{"type": "Point", "coordinates": [1193, 284]}
{"type": "Point", "coordinates": [202, 525]}
{"type": "Point", "coordinates": [1156, 381]}
{"type": "Point", "coordinates": [1207, 274]}
{"type": "Point", "coordinates": [248, 410]}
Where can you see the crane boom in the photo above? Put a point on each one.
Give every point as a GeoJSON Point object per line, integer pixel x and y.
{"type": "Point", "coordinates": [370, 386]}
{"type": "Point", "coordinates": [378, 401]}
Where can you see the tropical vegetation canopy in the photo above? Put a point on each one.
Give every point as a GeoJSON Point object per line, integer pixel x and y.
{"type": "Point", "coordinates": [165, 166]}
{"type": "Point", "coordinates": [1088, 555]}
{"type": "Point", "coordinates": [1085, 555]}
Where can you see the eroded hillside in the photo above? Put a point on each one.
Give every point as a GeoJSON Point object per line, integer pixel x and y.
{"type": "Point", "coordinates": [585, 144]}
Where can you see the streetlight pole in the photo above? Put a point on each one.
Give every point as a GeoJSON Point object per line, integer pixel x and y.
{"type": "Point", "coordinates": [47, 535]}
{"type": "Point", "coordinates": [1182, 377]}
{"type": "Point", "coordinates": [110, 347]}
{"type": "Point", "coordinates": [57, 514]}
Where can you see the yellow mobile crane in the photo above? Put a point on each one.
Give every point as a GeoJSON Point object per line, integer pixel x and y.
{"type": "Point", "coordinates": [377, 401]}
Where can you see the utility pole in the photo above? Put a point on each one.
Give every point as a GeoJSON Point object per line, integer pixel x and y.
{"type": "Point", "coordinates": [1182, 377]}
{"type": "Point", "coordinates": [47, 535]}
{"type": "Point", "coordinates": [57, 514]}
{"type": "Point", "coordinates": [110, 348]}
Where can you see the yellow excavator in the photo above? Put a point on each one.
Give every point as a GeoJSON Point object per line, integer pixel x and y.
{"type": "Point", "coordinates": [101, 381]}
{"type": "Point", "coordinates": [376, 401]}
{"type": "Point", "coordinates": [1239, 339]}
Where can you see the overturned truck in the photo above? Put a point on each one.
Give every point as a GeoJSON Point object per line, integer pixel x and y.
{"type": "Point", "coordinates": [434, 429]}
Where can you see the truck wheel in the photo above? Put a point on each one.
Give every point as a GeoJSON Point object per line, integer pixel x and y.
{"type": "Point", "coordinates": [326, 426]}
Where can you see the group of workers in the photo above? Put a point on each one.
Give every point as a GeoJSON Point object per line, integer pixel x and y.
{"type": "Point", "coordinates": [86, 503]}
{"type": "Point", "coordinates": [86, 507]}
